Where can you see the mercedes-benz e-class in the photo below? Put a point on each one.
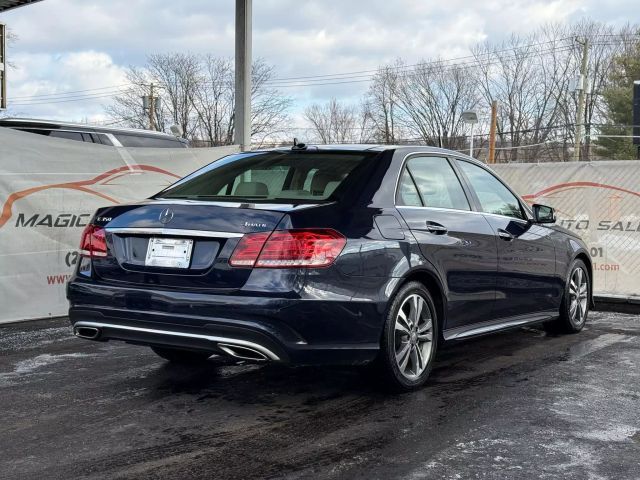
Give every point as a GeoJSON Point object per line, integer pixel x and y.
{"type": "Point", "coordinates": [328, 255]}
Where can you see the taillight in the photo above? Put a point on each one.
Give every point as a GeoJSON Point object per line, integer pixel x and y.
{"type": "Point", "coordinates": [247, 251]}
{"type": "Point", "coordinates": [317, 247]}
{"type": "Point", "coordinates": [93, 243]}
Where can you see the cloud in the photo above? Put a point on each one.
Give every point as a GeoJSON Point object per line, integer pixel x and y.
{"type": "Point", "coordinates": [54, 75]}
{"type": "Point", "coordinates": [63, 42]}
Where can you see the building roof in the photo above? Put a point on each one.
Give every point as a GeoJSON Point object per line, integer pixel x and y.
{"type": "Point", "coordinates": [9, 4]}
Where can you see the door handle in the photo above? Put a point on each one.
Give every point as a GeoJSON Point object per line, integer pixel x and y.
{"type": "Point", "coordinates": [436, 228]}
{"type": "Point", "coordinates": [504, 235]}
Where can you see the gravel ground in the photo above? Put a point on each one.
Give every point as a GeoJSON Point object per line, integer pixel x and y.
{"type": "Point", "coordinates": [514, 405]}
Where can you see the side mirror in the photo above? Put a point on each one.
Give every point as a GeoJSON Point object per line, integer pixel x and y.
{"type": "Point", "coordinates": [543, 214]}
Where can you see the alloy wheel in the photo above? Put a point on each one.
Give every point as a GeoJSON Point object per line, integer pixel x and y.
{"type": "Point", "coordinates": [578, 296]}
{"type": "Point", "coordinates": [413, 336]}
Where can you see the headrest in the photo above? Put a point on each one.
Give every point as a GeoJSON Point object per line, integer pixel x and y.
{"type": "Point", "coordinates": [331, 186]}
{"type": "Point", "coordinates": [252, 189]}
{"type": "Point", "coordinates": [320, 181]}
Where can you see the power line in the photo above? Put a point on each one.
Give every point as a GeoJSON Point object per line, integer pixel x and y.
{"type": "Point", "coordinates": [472, 56]}
{"type": "Point", "coordinates": [72, 91]}
{"type": "Point", "coordinates": [332, 79]}
{"type": "Point", "coordinates": [409, 72]}
{"type": "Point", "coordinates": [353, 74]}
{"type": "Point", "coordinates": [70, 99]}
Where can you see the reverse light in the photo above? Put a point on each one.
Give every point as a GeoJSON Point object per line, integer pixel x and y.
{"type": "Point", "coordinates": [93, 243]}
{"type": "Point", "coordinates": [314, 247]}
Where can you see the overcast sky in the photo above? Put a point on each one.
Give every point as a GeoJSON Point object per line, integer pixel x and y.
{"type": "Point", "coordinates": [69, 45]}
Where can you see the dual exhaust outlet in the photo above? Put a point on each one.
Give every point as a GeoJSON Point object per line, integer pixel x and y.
{"type": "Point", "coordinates": [236, 351]}
{"type": "Point", "coordinates": [90, 333]}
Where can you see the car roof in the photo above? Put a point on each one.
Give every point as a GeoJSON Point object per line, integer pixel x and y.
{"type": "Point", "coordinates": [365, 147]}
{"type": "Point", "coordinates": [34, 122]}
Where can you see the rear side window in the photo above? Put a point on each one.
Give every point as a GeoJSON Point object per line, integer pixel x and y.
{"type": "Point", "coordinates": [148, 142]}
{"type": "Point", "coordinates": [435, 183]}
{"type": "Point", "coordinates": [493, 195]}
{"type": "Point", "coordinates": [407, 191]}
{"type": "Point", "coordinates": [272, 176]}
{"type": "Point", "coordinates": [68, 135]}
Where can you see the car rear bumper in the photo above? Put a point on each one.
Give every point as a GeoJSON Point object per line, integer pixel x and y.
{"type": "Point", "coordinates": [287, 330]}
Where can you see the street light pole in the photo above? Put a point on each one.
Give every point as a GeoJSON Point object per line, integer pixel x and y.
{"type": "Point", "coordinates": [470, 117]}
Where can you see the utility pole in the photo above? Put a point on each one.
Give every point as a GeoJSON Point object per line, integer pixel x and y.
{"type": "Point", "coordinates": [3, 66]}
{"type": "Point", "coordinates": [242, 120]}
{"type": "Point", "coordinates": [492, 132]}
{"type": "Point", "coordinates": [581, 97]}
{"type": "Point", "coordinates": [635, 131]}
{"type": "Point", "coordinates": [152, 101]}
{"type": "Point", "coordinates": [150, 106]}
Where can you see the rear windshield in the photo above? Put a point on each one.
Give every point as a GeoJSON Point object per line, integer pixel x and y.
{"type": "Point", "coordinates": [270, 177]}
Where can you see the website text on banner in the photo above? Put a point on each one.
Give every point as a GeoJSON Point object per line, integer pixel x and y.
{"type": "Point", "coordinates": [600, 201]}
{"type": "Point", "coordinates": [49, 189]}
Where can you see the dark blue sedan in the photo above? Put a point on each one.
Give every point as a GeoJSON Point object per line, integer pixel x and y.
{"type": "Point", "coordinates": [328, 255]}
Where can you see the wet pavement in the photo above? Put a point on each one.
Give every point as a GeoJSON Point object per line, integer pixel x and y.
{"type": "Point", "coordinates": [514, 405]}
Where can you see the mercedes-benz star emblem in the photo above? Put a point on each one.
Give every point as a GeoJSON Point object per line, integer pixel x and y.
{"type": "Point", "coordinates": [166, 216]}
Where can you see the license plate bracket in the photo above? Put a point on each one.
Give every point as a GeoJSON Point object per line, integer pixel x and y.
{"type": "Point", "coordinates": [169, 252]}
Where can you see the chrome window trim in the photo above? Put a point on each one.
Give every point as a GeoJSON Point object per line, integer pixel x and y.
{"type": "Point", "coordinates": [454, 156]}
{"type": "Point", "coordinates": [476, 212]}
{"type": "Point", "coordinates": [212, 338]}
{"type": "Point", "coordinates": [173, 232]}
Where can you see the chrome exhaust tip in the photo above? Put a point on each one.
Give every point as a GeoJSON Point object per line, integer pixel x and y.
{"type": "Point", "coordinates": [90, 333]}
{"type": "Point", "coordinates": [243, 353]}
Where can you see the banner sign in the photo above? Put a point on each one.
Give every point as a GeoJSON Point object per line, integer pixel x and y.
{"type": "Point", "coordinates": [600, 201]}
{"type": "Point", "coordinates": [49, 189]}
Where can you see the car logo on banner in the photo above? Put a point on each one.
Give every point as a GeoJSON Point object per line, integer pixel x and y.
{"type": "Point", "coordinates": [166, 216]}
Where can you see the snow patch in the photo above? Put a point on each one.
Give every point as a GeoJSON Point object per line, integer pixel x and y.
{"type": "Point", "coordinates": [30, 365]}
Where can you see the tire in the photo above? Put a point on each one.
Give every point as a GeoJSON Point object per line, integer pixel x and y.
{"type": "Point", "coordinates": [406, 352]}
{"type": "Point", "coordinates": [184, 357]}
{"type": "Point", "coordinates": [574, 307]}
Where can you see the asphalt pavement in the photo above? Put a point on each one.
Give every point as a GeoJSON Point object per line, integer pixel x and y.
{"type": "Point", "coordinates": [520, 404]}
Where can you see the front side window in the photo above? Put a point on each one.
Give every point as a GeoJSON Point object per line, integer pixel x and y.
{"type": "Point", "coordinates": [493, 195]}
{"type": "Point", "coordinates": [436, 182]}
{"type": "Point", "coordinates": [271, 176]}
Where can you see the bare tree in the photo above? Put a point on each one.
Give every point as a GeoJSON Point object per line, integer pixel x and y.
{"type": "Point", "coordinates": [334, 122]}
{"type": "Point", "coordinates": [178, 75]}
{"type": "Point", "coordinates": [269, 107]}
{"type": "Point", "coordinates": [213, 101]}
{"type": "Point", "coordinates": [512, 73]}
{"type": "Point", "coordinates": [533, 77]}
{"type": "Point", "coordinates": [382, 103]}
{"type": "Point", "coordinates": [432, 98]}
{"type": "Point", "coordinates": [126, 109]}
{"type": "Point", "coordinates": [197, 93]}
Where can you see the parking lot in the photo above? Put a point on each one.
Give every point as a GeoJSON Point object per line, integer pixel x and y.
{"type": "Point", "coordinates": [515, 405]}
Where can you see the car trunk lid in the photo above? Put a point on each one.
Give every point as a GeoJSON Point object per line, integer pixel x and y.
{"type": "Point", "coordinates": [180, 244]}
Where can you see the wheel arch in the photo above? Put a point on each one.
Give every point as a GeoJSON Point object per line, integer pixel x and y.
{"type": "Point", "coordinates": [587, 261]}
{"type": "Point", "coordinates": [433, 284]}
